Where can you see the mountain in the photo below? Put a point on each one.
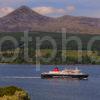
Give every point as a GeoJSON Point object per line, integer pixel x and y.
{"type": "Point", "coordinates": [22, 19]}
{"type": "Point", "coordinates": [25, 18]}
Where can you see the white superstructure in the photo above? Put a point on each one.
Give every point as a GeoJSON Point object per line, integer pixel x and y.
{"type": "Point", "coordinates": [66, 71]}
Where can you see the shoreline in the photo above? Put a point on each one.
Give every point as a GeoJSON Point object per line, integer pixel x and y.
{"type": "Point", "coordinates": [52, 64]}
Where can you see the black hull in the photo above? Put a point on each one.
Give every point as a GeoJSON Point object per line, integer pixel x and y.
{"type": "Point", "coordinates": [46, 76]}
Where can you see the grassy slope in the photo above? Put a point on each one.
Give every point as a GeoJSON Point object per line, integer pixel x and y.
{"type": "Point", "coordinates": [46, 46]}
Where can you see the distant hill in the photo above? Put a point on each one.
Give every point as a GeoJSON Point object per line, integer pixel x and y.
{"type": "Point", "coordinates": [25, 18]}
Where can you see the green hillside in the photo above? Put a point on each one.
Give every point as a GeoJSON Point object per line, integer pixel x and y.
{"type": "Point", "coordinates": [46, 47]}
{"type": "Point", "coordinates": [85, 38]}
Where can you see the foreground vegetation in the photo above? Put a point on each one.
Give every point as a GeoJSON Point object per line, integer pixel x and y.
{"type": "Point", "coordinates": [13, 93]}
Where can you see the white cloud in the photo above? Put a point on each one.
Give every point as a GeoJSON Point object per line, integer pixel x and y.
{"type": "Point", "coordinates": [71, 8]}
{"type": "Point", "coordinates": [6, 10]}
{"type": "Point", "coordinates": [51, 10]}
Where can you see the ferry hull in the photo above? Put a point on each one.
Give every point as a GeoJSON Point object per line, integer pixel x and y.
{"type": "Point", "coordinates": [45, 76]}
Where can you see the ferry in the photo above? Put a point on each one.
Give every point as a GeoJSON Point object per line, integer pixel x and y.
{"type": "Point", "coordinates": [66, 73]}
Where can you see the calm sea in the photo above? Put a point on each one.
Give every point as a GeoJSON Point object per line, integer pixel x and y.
{"type": "Point", "coordinates": [26, 77]}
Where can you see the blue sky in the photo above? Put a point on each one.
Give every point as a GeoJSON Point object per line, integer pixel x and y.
{"type": "Point", "coordinates": [89, 8]}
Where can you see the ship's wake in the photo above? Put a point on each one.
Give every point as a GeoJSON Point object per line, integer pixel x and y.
{"type": "Point", "coordinates": [19, 77]}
